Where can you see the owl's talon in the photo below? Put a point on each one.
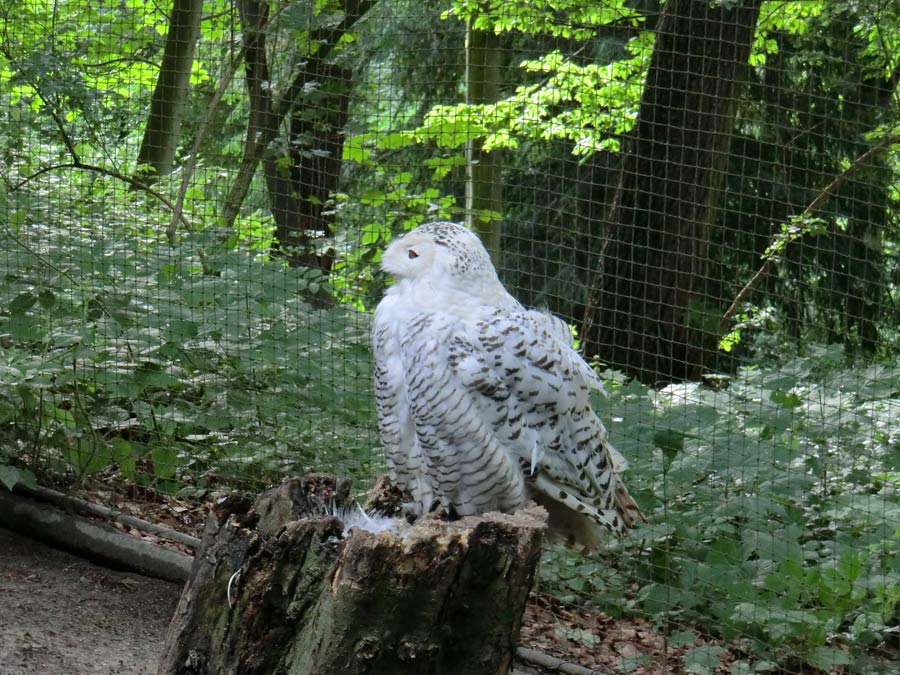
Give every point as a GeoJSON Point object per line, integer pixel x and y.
{"type": "Point", "coordinates": [409, 512]}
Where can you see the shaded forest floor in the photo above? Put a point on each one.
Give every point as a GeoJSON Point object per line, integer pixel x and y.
{"type": "Point", "coordinates": [63, 615]}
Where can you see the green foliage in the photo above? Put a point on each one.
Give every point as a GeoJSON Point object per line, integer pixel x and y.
{"type": "Point", "coordinates": [773, 511]}
{"type": "Point", "coordinates": [781, 17]}
{"type": "Point", "coordinates": [559, 18]}
{"type": "Point", "coordinates": [798, 227]}
{"type": "Point", "coordinates": [589, 104]}
{"type": "Point", "coordinates": [187, 365]}
{"type": "Point", "coordinates": [391, 204]}
{"type": "Point", "coordinates": [819, 99]}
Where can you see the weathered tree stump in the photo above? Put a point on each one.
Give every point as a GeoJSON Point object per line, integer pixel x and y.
{"type": "Point", "coordinates": [278, 587]}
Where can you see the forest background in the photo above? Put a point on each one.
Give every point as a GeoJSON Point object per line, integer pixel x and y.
{"type": "Point", "coordinates": [195, 195]}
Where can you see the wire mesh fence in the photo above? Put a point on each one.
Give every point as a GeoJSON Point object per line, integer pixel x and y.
{"type": "Point", "coordinates": [195, 197]}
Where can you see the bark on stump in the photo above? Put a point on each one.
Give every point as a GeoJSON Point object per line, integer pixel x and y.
{"type": "Point", "coordinates": [442, 598]}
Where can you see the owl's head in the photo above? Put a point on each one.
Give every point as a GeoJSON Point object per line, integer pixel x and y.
{"type": "Point", "coordinates": [438, 251]}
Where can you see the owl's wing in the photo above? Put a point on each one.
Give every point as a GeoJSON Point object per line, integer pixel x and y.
{"type": "Point", "coordinates": [395, 424]}
{"type": "Point", "coordinates": [438, 442]}
{"type": "Point", "coordinates": [549, 424]}
{"type": "Point", "coordinates": [472, 407]}
{"type": "Point", "coordinates": [560, 330]}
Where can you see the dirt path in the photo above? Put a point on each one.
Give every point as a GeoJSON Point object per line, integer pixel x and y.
{"type": "Point", "coordinates": [63, 615]}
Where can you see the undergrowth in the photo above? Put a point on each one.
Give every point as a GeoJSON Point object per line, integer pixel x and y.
{"type": "Point", "coordinates": [774, 517]}
{"type": "Point", "coordinates": [185, 366]}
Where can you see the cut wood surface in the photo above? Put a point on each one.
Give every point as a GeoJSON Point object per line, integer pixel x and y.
{"type": "Point", "coordinates": [278, 587]}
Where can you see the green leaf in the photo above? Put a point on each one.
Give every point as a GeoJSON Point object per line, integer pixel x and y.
{"type": "Point", "coordinates": [22, 303]}
{"type": "Point", "coordinates": [124, 457]}
{"type": "Point", "coordinates": [703, 660]}
{"type": "Point", "coordinates": [397, 139]}
{"type": "Point", "coordinates": [682, 638]}
{"type": "Point", "coordinates": [850, 565]}
{"type": "Point", "coordinates": [670, 442]}
{"type": "Point", "coordinates": [581, 635]}
{"type": "Point", "coordinates": [658, 598]}
{"type": "Point", "coordinates": [16, 218]}
{"type": "Point", "coordinates": [730, 340]}
{"type": "Point", "coordinates": [60, 416]}
{"type": "Point", "coordinates": [373, 197]}
{"type": "Point", "coordinates": [826, 658]}
{"type": "Point", "coordinates": [785, 399]}
{"type": "Point", "coordinates": [165, 461]}
{"type": "Point", "coordinates": [86, 456]}
{"type": "Point", "coordinates": [47, 299]}
{"type": "Point", "coordinates": [9, 476]}
{"type": "Point", "coordinates": [181, 329]}
{"type": "Point", "coordinates": [748, 667]}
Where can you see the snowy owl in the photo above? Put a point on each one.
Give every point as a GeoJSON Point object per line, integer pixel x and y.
{"type": "Point", "coordinates": [482, 403]}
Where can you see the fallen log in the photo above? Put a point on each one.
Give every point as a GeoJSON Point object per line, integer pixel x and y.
{"type": "Point", "coordinates": [91, 539]}
{"type": "Point", "coordinates": [278, 586]}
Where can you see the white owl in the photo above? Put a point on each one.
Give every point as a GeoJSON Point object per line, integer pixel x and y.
{"type": "Point", "coordinates": [483, 404]}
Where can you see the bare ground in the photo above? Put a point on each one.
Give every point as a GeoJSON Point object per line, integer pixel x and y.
{"type": "Point", "coordinates": [63, 615]}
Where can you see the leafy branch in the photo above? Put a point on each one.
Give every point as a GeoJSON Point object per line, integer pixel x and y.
{"type": "Point", "coordinates": [804, 223]}
{"type": "Point", "coordinates": [77, 163]}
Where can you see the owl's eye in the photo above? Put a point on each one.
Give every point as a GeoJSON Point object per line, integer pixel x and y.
{"type": "Point", "coordinates": [412, 254]}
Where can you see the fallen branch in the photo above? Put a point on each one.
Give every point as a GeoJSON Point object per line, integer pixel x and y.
{"type": "Point", "coordinates": [75, 504]}
{"type": "Point", "coordinates": [552, 663]}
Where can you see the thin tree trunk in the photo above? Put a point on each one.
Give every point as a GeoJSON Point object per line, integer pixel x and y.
{"type": "Point", "coordinates": [484, 184]}
{"type": "Point", "coordinates": [280, 588]}
{"type": "Point", "coordinates": [157, 152]}
{"type": "Point", "coordinates": [301, 186]}
{"type": "Point", "coordinates": [254, 24]}
{"type": "Point", "coordinates": [646, 310]}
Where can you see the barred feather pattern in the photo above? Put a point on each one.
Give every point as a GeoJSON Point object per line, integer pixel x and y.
{"type": "Point", "coordinates": [482, 403]}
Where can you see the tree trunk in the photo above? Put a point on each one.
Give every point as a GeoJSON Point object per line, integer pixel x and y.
{"type": "Point", "coordinates": [157, 151]}
{"type": "Point", "coordinates": [261, 119]}
{"type": "Point", "coordinates": [300, 187]}
{"type": "Point", "coordinates": [293, 99]}
{"type": "Point", "coordinates": [646, 312]}
{"type": "Point", "coordinates": [302, 179]}
{"type": "Point", "coordinates": [279, 588]}
{"type": "Point", "coordinates": [484, 184]}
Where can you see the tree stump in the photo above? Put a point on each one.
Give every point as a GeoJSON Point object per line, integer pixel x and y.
{"type": "Point", "coordinates": [278, 587]}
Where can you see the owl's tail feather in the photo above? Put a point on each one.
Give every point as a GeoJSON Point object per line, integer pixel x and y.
{"type": "Point", "coordinates": [575, 530]}
{"type": "Point", "coordinates": [578, 522]}
{"type": "Point", "coordinates": [628, 508]}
